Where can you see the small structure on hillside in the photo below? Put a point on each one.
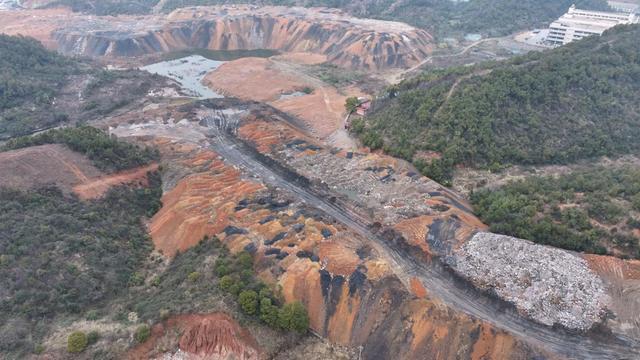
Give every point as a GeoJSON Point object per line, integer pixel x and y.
{"type": "Point", "coordinates": [364, 104]}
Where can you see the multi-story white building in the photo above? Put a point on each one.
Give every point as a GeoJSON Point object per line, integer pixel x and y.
{"type": "Point", "coordinates": [577, 23]}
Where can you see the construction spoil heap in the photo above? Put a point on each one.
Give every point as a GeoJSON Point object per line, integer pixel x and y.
{"type": "Point", "coordinates": [549, 285]}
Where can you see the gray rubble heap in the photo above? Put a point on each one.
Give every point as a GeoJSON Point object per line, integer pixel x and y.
{"type": "Point", "coordinates": [368, 183]}
{"type": "Point", "coordinates": [549, 285]}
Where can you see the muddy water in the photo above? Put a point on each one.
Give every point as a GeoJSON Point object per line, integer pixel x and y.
{"type": "Point", "coordinates": [9, 4]}
{"type": "Point", "coordinates": [188, 72]}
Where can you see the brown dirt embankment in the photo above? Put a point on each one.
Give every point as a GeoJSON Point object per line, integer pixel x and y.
{"type": "Point", "coordinates": [97, 187]}
{"type": "Point", "coordinates": [200, 204]}
{"type": "Point", "coordinates": [253, 79]}
{"type": "Point", "coordinates": [622, 279]}
{"type": "Point", "coordinates": [38, 24]}
{"type": "Point", "coordinates": [208, 336]}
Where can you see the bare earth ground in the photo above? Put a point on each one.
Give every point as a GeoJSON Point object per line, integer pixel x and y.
{"type": "Point", "coordinates": [55, 164]}
{"type": "Point", "coordinates": [271, 80]}
{"type": "Point", "coordinates": [45, 165]}
{"type": "Point", "coordinates": [22, 23]}
{"type": "Point", "coordinates": [96, 187]}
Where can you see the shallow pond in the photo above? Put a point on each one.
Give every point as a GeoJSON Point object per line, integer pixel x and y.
{"type": "Point", "coordinates": [188, 72]}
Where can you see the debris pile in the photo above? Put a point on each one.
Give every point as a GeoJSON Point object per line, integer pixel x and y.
{"type": "Point", "coordinates": [549, 285]}
{"type": "Point", "coordinates": [366, 180]}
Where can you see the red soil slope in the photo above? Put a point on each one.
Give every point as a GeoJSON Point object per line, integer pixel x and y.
{"type": "Point", "coordinates": [210, 336]}
{"type": "Point", "coordinates": [200, 204]}
{"type": "Point", "coordinates": [96, 187]}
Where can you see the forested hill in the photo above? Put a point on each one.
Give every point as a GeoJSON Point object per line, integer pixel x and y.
{"type": "Point", "coordinates": [29, 70]}
{"type": "Point", "coordinates": [557, 106]}
{"type": "Point", "coordinates": [30, 77]}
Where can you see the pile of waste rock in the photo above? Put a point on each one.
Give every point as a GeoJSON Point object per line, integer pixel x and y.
{"type": "Point", "coordinates": [550, 285]}
{"type": "Point", "coordinates": [368, 181]}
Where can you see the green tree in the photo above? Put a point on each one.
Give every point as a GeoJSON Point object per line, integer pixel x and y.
{"type": "Point", "coordinates": [222, 270]}
{"type": "Point", "coordinates": [194, 276]}
{"type": "Point", "coordinates": [268, 312]}
{"type": "Point", "coordinates": [142, 333]}
{"type": "Point", "coordinates": [226, 282]}
{"type": "Point", "coordinates": [93, 337]}
{"type": "Point", "coordinates": [294, 317]}
{"type": "Point", "coordinates": [635, 202]}
{"type": "Point", "coordinates": [351, 104]}
{"type": "Point", "coordinates": [248, 300]}
{"type": "Point", "coordinates": [77, 342]}
{"type": "Point", "coordinates": [245, 260]}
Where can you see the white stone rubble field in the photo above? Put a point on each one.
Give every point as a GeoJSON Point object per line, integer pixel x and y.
{"type": "Point", "coordinates": [549, 285]}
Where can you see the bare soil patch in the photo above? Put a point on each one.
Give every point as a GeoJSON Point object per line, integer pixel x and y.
{"type": "Point", "coordinates": [321, 108]}
{"type": "Point", "coordinates": [252, 79]}
{"type": "Point", "coordinates": [96, 187]}
{"type": "Point", "coordinates": [45, 165]}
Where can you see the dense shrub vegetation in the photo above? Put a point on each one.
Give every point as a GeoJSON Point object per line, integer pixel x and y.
{"type": "Point", "coordinates": [107, 153]}
{"type": "Point", "coordinates": [28, 70]}
{"type": "Point", "coordinates": [38, 88]}
{"type": "Point", "coordinates": [30, 75]}
{"type": "Point", "coordinates": [107, 7]}
{"type": "Point", "coordinates": [573, 102]}
{"type": "Point", "coordinates": [594, 210]}
{"type": "Point", "coordinates": [77, 342]}
{"type": "Point", "coordinates": [237, 278]}
{"type": "Point", "coordinates": [222, 277]}
{"type": "Point", "coordinates": [142, 333]}
{"type": "Point", "coordinates": [59, 255]}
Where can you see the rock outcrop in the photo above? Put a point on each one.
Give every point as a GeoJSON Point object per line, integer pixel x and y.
{"type": "Point", "coordinates": [344, 40]}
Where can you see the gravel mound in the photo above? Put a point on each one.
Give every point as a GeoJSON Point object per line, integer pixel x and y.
{"type": "Point", "coordinates": [549, 285]}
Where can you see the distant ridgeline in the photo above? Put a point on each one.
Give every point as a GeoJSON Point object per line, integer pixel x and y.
{"type": "Point", "coordinates": [574, 102]}
{"type": "Point", "coordinates": [441, 17]}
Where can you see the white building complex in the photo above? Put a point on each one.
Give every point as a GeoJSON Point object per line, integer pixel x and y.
{"type": "Point", "coordinates": [576, 24]}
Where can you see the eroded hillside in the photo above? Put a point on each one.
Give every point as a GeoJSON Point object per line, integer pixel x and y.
{"type": "Point", "coordinates": [346, 41]}
{"type": "Point", "coordinates": [361, 238]}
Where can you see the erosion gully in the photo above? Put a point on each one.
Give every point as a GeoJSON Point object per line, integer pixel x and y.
{"type": "Point", "coordinates": [438, 280]}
